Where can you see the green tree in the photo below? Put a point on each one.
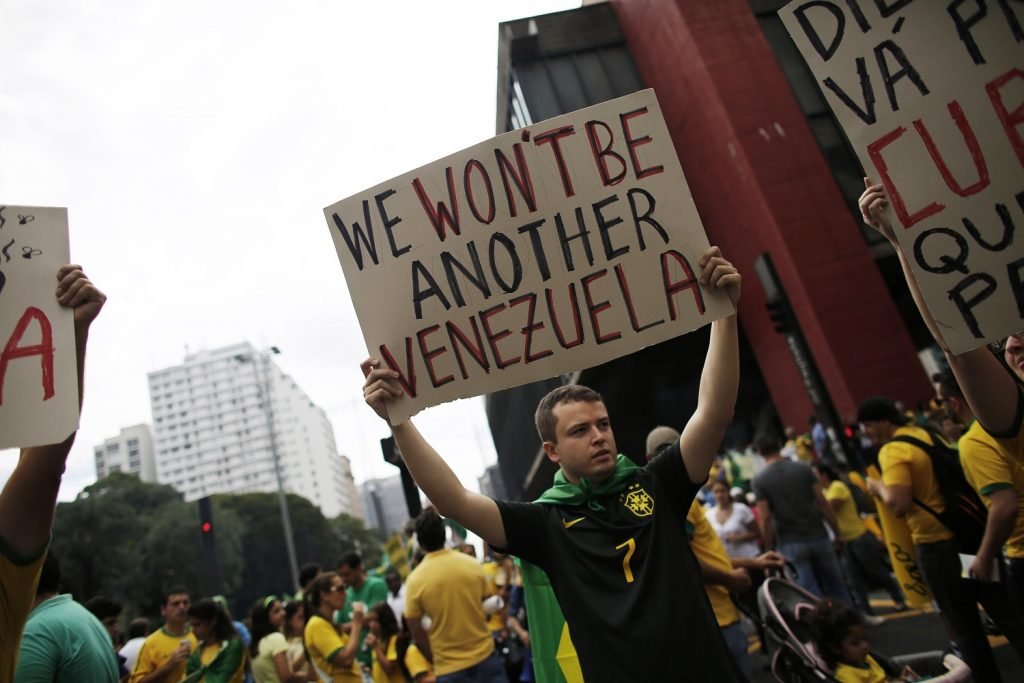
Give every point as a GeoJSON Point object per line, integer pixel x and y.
{"type": "Point", "coordinates": [352, 534]}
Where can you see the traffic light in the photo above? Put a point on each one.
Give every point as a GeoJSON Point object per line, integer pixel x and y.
{"type": "Point", "coordinates": [779, 313]}
{"type": "Point", "coordinates": [206, 522]}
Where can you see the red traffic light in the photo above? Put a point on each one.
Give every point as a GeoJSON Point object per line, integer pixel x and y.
{"type": "Point", "coordinates": [206, 527]}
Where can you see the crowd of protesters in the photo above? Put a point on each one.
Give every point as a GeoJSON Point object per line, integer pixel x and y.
{"type": "Point", "coordinates": [792, 506]}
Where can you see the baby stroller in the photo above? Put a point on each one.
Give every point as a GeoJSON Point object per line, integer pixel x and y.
{"type": "Point", "coordinates": [787, 614]}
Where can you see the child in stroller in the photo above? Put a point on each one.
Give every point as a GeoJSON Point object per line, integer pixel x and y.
{"type": "Point", "coordinates": [791, 618]}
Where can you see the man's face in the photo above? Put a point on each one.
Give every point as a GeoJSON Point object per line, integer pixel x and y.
{"type": "Point", "coordinates": [1013, 353]}
{"type": "Point", "coordinates": [352, 576]}
{"type": "Point", "coordinates": [175, 610]}
{"type": "Point", "coordinates": [585, 444]}
{"type": "Point", "coordinates": [394, 582]}
{"type": "Point", "coordinates": [876, 430]}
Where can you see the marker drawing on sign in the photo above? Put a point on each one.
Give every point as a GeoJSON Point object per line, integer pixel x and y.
{"type": "Point", "coordinates": [29, 252]}
{"type": "Point", "coordinates": [25, 219]}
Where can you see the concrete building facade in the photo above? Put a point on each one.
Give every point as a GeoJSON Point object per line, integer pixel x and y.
{"type": "Point", "coordinates": [384, 501]}
{"type": "Point", "coordinates": [218, 417]}
{"type": "Point", "coordinates": [131, 451]}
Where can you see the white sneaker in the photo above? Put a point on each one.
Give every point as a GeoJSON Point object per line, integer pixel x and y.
{"type": "Point", "coordinates": [872, 620]}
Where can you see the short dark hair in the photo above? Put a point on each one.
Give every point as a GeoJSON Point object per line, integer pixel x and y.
{"type": "Point", "coordinates": [174, 590]}
{"type": "Point", "coordinates": [103, 607]}
{"type": "Point", "coordinates": [544, 417]}
{"type": "Point", "coordinates": [351, 559]}
{"type": "Point", "coordinates": [138, 628]}
{"type": "Point", "coordinates": [828, 471]}
{"type": "Point", "coordinates": [430, 531]}
{"type": "Point", "coordinates": [49, 575]}
{"type": "Point", "coordinates": [880, 409]}
{"type": "Point", "coordinates": [208, 610]}
{"type": "Point", "coordinates": [308, 572]}
{"type": "Point", "coordinates": [767, 444]}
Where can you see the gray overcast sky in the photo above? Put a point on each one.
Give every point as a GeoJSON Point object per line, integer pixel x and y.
{"type": "Point", "coordinates": [195, 144]}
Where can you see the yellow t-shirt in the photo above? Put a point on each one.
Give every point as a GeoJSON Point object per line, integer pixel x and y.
{"type": "Point", "coordinates": [871, 672]}
{"type": "Point", "coordinates": [156, 650]}
{"type": "Point", "coordinates": [496, 620]}
{"type": "Point", "coordinates": [322, 642]}
{"type": "Point", "coordinates": [1014, 445]}
{"type": "Point", "coordinates": [18, 581]}
{"type": "Point", "coordinates": [990, 468]}
{"type": "Point", "coordinates": [379, 676]}
{"type": "Point", "coordinates": [449, 587]}
{"type": "Point", "coordinates": [850, 524]}
{"type": "Point", "coordinates": [416, 663]}
{"type": "Point", "coordinates": [906, 465]}
{"type": "Point", "coordinates": [708, 548]}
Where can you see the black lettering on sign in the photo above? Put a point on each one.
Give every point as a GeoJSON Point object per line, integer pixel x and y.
{"type": "Point", "coordinates": [966, 302]}
{"type": "Point", "coordinates": [947, 263]}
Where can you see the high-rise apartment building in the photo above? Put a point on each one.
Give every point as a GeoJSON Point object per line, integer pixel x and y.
{"type": "Point", "coordinates": [219, 416]}
{"type": "Point", "coordinates": [130, 451]}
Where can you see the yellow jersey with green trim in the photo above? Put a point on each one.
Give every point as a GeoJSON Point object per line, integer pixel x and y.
{"type": "Point", "coordinates": [19, 578]}
{"type": "Point", "coordinates": [322, 642]}
{"type": "Point", "coordinates": [708, 548]}
{"type": "Point", "coordinates": [904, 464]}
{"type": "Point", "coordinates": [381, 676]}
{"type": "Point", "coordinates": [850, 524]}
{"type": "Point", "coordinates": [990, 468]}
{"type": "Point", "coordinates": [157, 649]}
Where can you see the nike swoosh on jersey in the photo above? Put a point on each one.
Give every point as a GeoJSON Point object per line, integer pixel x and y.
{"type": "Point", "coordinates": [570, 523]}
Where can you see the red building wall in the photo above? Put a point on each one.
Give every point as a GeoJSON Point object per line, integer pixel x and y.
{"type": "Point", "coordinates": [761, 184]}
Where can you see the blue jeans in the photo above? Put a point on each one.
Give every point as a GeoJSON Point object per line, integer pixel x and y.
{"type": "Point", "coordinates": [817, 567]}
{"type": "Point", "coordinates": [491, 670]}
{"type": "Point", "coordinates": [736, 641]}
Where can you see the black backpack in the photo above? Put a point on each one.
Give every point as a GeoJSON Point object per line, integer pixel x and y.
{"type": "Point", "coordinates": [965, 515]}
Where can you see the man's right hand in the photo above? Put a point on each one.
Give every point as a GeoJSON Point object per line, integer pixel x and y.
{"type": "Point", "coordinates": [380, 386]}
{"type": "Point", "coordinates": [181, 654]}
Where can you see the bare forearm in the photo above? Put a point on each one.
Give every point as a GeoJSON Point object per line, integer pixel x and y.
{"type": "Point", "coordinates": [714, 575]}
{"type": "Point", "coordinates": [1002, 518]}
{"type": "Point", "coordinates": [720, 379]}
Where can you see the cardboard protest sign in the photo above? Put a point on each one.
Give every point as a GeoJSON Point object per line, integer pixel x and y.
{"type": "Point", "coordinates": [38, 375]}
{"type": "Point", "coordinates": [931, 96]}
{"type": "Point", "coordinates": [548, 249]}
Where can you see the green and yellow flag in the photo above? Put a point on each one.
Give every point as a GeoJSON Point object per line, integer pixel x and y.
{"type": "Point", "coordinates": [554, 656]}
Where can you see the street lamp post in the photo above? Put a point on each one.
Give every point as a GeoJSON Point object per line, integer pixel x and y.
{"type": "Point", "coordinates": [263, 380]}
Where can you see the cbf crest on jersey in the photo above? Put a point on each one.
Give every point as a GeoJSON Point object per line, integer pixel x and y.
{"type": "Point", "coordinates": [638, 501]}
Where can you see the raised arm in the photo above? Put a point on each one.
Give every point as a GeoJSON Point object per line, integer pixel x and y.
{"type": "Point", "coordinates": [28, 499]}
{"type": "Point", "coordinates": [477, 513]}
{"type": "Point", "coordinates": [720, 379]}
{"type": "Point", "coordinates": [989, 389]}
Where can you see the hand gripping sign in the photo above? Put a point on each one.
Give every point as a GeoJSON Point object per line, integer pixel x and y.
{"type": "Point", "coordinates": [931, 96]}
{"type": "Point", "coordinates": [552, 248]}
{"type": "Point", "coordinates": [38, 377]}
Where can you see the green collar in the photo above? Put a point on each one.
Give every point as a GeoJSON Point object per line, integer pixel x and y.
{"type": "Point", "coordinates": [564, 492]}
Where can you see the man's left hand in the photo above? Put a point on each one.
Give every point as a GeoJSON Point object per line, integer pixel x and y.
{"type": "Point", "coordinates": [720, 275]}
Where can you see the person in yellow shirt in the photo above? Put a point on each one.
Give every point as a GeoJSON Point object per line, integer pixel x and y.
{"type": "Point", "coordinates": [861, 553]}
{"type": "Point", "coordinates": [165, 652]}
{"type": "Point", "coordinates": [383, 643]}
{"type": "Point", "coordinates": [842, 643]}
{"type": "Point", "coordinates": [28, 498]}
{"type": "Point", "coordinates": [333, 654]}
{"type": "Point", "coordinates": [999, 479]}
{"type": "Point", "coordinates": [908, 477]}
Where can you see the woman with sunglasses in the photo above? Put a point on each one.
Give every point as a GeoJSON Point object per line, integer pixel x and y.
{"type": "Point", "coordinates": [269, 647]}
{"type": "Point", "coordinates": [333, 654]}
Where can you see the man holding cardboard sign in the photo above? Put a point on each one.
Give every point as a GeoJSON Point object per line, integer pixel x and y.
{"type": "Point", "coordinates": [27, 500]}
{"type": "Point", "coordinates": [609, 534]}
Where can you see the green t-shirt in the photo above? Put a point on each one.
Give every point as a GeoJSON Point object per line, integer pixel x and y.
{"type": "Point", "coordinates": [373, 590]}
{"type": "Point", "coordinates": [64, 643]}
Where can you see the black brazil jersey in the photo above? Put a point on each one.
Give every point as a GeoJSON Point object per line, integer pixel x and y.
{"type": "Point", "coordinates": [626, 579]}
